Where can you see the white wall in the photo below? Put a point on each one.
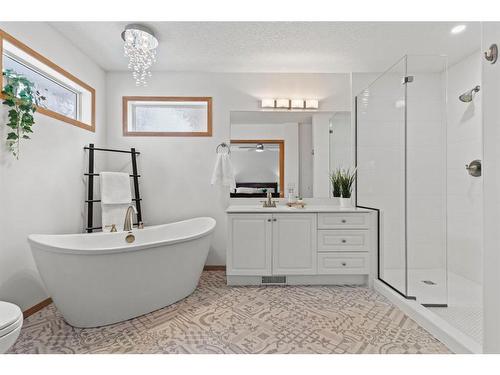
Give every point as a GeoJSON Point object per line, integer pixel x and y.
{"type": "Point", "coordinates": [321, 157]}
{"type": "Point", "coordinates": [176, 171]}
{"type": "Point", "coordinates": [465, 193]}
{"type": "Point", "coordinates": [491, 180]}
{"type": "Point", "coordinates": [288, 132]}
{"type": "Point", "coordinates": [306, 160]}
{"type": "Point", "coordinates": [43, 192]}
{"type": "Point", "coordinates": [341, 144]}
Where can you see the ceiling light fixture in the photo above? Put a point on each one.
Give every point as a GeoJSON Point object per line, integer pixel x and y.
{"type": "Point", "coordinates": [140, 47]}
{"type": "Point", "coordinates": [458, 29]}
{"type": "Point", "coordinates": [259, 147]}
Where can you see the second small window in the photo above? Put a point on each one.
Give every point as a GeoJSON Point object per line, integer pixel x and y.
{"type": "Point", "coordinates": [167, 116]}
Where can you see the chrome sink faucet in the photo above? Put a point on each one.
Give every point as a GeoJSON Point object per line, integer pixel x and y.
{"type": "Point", "coordinates": [269, 202]}
{"type": "Point", "coordinates": [127, 225]}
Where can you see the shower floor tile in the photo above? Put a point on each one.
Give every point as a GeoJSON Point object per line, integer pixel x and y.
{"type": "Point", "coordinates": [465, 307]}
{"type": "Point", "coordinates": [263, 319]}
{"type": "Point", "coordinates": [463, 297]}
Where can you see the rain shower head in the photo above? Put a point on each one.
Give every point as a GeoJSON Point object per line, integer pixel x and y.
{"type": "Point", "coordinates": [467, 96]}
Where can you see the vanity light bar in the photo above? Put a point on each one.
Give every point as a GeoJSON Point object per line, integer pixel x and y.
{"type": "Point", "coordinates": [290, 103]}
{"type": "Point", "coordinates": [267, 103]}
{"type": "Point", "coordinates": [297, 103]}
{"type": "Point", "coordinates": [282, 103]}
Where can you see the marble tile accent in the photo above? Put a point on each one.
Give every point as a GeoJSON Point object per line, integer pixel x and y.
{"type": "Point", "coordinates": [265, 319]}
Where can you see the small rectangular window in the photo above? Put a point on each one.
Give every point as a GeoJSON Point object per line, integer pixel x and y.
{"type": "Point", "coordinates": [167, 116]}
{"type": "Point", "coordinates": [68, 99]}
{"type": "Point", "coordinates": [59, 98]}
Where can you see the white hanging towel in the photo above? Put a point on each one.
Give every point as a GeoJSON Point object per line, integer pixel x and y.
{"type": "Point", "coordinates": [116, 197]}
{"type": "Point", "coordinates": [223, 173]}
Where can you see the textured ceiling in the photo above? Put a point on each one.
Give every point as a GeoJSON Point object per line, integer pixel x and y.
{"type": "Point", "coordinates": [320, 47]}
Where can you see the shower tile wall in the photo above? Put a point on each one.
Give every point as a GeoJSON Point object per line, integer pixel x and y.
{"type": "Point", "coordinates": [464, 192]}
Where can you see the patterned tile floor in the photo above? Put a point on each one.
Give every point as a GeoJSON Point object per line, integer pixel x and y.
{"type": "Point", "coordinates": [221, 319]}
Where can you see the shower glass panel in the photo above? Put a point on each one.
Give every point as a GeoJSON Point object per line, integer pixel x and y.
{"type": "Point", "coordinates": [401, 161]}
{"type": "Point", "coordinates": [426, 179]}
{"type": "Point", "coordinates": [380, 159]}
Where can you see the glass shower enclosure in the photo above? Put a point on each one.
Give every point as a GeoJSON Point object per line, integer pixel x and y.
{"type": "Point", "coordinates": [401, 171]}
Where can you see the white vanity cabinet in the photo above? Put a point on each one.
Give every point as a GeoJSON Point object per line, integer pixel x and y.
{"type": "Point", "coordinates": [315, 245]}
{"type": "Point", "coordinates": [250, 241]}
{"type": "Point", "coordinates": [267, 244]}
{"type": "Point", "coordinates": [294, 244]}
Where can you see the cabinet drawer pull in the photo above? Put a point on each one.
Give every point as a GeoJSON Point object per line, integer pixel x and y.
{"type": "Point", "coordinates": [275, 219]}
{"type": "Point", "coordinates": [343, 240]}
{"type": "Point", "coordinates": [344, 264]}
{"type": "Point", "coordinates": [269, 220]}
{"type": "Point", "coordinates": [343, 221]}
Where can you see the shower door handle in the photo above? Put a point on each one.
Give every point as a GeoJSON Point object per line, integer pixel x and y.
{"type": "Point", "coordinates": [474, 168]}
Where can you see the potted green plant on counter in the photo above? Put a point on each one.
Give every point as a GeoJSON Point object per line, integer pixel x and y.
{"type": "Point", "coordinates": [342, 183]}
{"type": "Point", "coordinates": [347, 179]}
{"type": "Point", "coordinates": [20, 95]}
{"type": "Point", "coordinates": [335, 180]}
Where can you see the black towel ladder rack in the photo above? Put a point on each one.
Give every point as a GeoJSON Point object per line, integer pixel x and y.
{"type": "Point", "coordinates": [90, 184]}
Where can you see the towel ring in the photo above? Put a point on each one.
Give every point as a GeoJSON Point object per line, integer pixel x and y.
{"type": "Point", "coordinates": [223, 145]}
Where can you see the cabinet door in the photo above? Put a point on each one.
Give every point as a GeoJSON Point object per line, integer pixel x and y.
{"type": "Point", "coordinates": [294, 244]}
{"type": "Point", "coordinates": [249, 245]}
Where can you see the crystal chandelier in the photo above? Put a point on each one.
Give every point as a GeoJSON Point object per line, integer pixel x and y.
{"type": "Point", "coordinates": [140, 48]}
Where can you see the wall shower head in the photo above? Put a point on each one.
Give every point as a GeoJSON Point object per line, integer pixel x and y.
{"type": "Point", "coordinates": [467, 96]}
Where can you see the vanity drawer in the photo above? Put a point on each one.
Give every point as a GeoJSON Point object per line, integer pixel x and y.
{"type": "Point", "coordinates": [343, 220]}
{"type": "Point", "coordinates": [343, 240]}
{"type": "Point", "coordinates": [343, 263]}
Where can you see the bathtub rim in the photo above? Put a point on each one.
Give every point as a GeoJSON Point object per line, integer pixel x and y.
{"type": "Point", "coordinates": [39, 241]}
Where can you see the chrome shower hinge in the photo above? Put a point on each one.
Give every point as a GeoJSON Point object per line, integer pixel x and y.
{"type": "Point", "coordinates": [407, 79]}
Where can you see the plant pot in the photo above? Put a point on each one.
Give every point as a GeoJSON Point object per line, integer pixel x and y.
{"type": "Point", "coordinates": [345, 202]}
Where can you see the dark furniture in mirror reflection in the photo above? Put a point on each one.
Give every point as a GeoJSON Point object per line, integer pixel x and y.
{"type": "Point", "coordinates": [255, 185]}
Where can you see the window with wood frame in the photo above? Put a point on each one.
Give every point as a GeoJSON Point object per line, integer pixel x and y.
{"type": "Point", "coordinates": [167, 116]}
{"type": "Point", "coordinates": [68, 99]}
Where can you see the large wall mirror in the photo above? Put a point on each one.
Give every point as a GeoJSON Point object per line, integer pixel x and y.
{"type": "Point", "coordinates": [289, 153]}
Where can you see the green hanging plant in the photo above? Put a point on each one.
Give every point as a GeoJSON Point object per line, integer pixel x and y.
{"type": "Point", "coordinates": [20, 94]}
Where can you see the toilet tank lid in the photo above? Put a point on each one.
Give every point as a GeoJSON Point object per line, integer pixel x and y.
{"type": "Point", "coordinates": [9, 314]}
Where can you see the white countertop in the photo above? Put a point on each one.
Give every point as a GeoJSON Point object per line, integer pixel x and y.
{"type": "Point", "coordinates": [283, 208]}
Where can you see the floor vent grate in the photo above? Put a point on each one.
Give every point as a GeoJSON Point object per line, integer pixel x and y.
{"type": "Point", "coordinates": [273, 279]}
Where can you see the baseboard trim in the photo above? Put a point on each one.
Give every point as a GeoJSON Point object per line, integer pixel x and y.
{"type": "Point", "coordinates": [214, 268]}
{"type": "Point", "coordinates": [37, 307]}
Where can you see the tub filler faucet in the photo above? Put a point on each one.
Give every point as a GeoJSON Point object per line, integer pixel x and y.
{"type": "Point", "coordinates": [127, 224]}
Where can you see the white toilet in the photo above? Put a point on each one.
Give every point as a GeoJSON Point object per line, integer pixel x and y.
{"type": "Point", "coordinates": [11, 321]}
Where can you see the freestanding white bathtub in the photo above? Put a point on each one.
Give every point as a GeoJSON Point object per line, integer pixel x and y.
{"type": "Point", "coordinates": [98, 279]}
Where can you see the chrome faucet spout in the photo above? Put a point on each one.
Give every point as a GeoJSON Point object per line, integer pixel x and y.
{"type": "Point", "coordinates": [127, 224]}
{"type": "Point", "coordinates": [269, 202]}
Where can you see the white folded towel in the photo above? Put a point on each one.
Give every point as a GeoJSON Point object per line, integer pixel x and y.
{"type": "Point", "coordinates": [116, 197]}
{"type": "Point", "coordinates": [115, 188]}
{"type": "Point", "coordinates": [223, 173]}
